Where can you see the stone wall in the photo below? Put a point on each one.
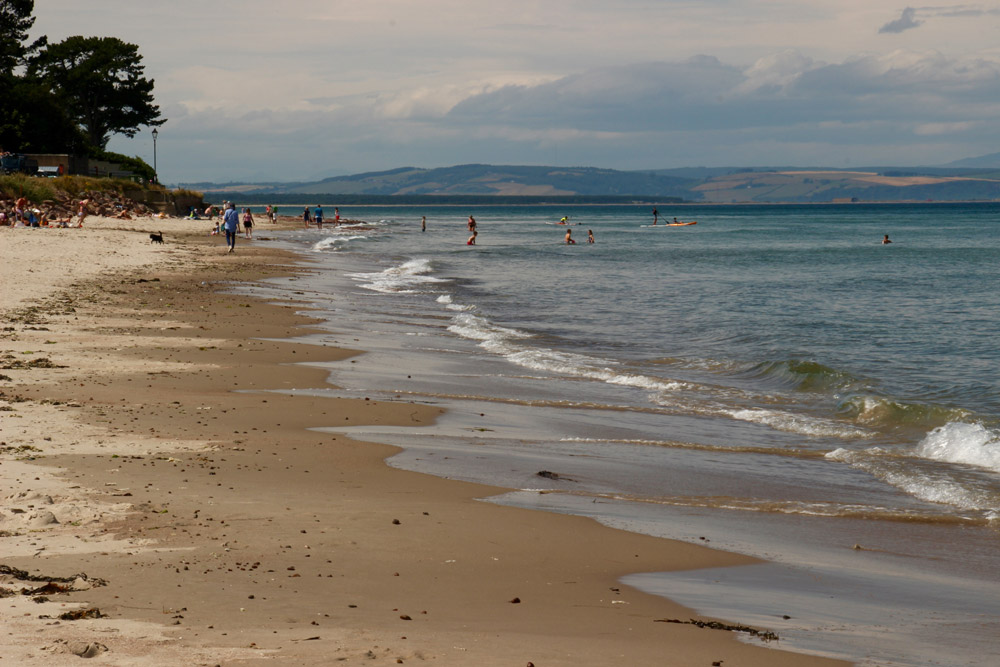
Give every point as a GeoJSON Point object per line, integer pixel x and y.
{"type": "Point", "coordinates": [81, 165]}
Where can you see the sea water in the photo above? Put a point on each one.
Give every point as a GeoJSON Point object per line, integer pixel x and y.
{"type": "Point", "coordinates": [773, 380]}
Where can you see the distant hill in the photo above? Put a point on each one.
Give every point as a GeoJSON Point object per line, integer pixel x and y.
{"type": "Point", "coordinates": [991, 161]}
{"type": "Point", "coordinates": [485, 179]}
{"type": "Point", "coordinates": [836, 185]}
{"type": "Point", "coordinates": [694, 184]}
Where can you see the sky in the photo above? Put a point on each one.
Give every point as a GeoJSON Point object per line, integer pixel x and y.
{"type": "Point", "coordinates": [300, 90]}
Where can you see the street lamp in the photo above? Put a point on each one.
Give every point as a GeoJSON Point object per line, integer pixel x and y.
{"type": "Point", "coordinates": [156, 175]}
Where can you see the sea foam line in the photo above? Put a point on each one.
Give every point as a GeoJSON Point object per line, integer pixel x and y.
{"type": "Point", "coordinates": [402, 279]}
{"type": "Point", "coordinates": [334, 242]}
{"type": "Point", "coordinates": [915, 471]}
{"type": "Point", "coordinates": [508, 343]}
{"type": "Point", "coordinates": [813, 508]}
{"type": "Point", "coordinates": [958, 442]}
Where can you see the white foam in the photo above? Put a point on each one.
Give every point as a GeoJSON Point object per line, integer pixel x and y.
{"type": "Point", "coordinates": [790, 423]}
{"type": "Point", "coordinates": [402, 279]}
{"type": "Point", "coordinates": [446, 300]}
{"type": "Point", "coordinates": [504, 342]}
{"type": "Point", "coordinates": [334, 242]}
{"type": "Point", "coordinates": [935, 486]}
{"type": "Point", "coordinates": [493, 337]}
{"type": "Point", "coordinates": [958, 442]}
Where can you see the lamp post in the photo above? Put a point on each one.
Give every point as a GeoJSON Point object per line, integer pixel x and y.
{"type": "Point", "coordinates": [156, 175]}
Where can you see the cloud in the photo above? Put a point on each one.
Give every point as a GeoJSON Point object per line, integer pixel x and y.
{"type": "Point", "coordinates": [705, 94]}
{"type": "Point", "coordinates": [905, 22]}
{"type": "Point", "coordinates": [904, 107]}
{"type": "Point", "coordinates": [935, 129]}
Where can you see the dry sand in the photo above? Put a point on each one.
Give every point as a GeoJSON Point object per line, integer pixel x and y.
{"type": "Point", "coordinates": [211, 527]}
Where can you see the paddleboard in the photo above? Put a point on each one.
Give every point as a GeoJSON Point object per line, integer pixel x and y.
{"type": "Point", "coordinates": [674, 224]}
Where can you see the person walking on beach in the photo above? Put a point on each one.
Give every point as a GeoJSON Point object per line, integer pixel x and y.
{"type": "Point", "coordinates": [423, 223]}
{"type": "Point", "coordinates": [336, 215]}
{"type": "Point", "coordinates": [81, 212]}
{"type": "Point", "coordinates": [318, 216]}
{"type": "Point", "coordinates": [590, 236]}
{"type": "Point", "coordinates": [305, 216]}
{"type": "Point", "coordinates": [247, 223]}
{"type": "Point", "coordinates": [231, 221]}
{"type": "Point", "coordinates": [274, 214]}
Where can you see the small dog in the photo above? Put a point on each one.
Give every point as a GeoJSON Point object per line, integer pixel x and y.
{"type": "Point", "coordinates": [156, 238]}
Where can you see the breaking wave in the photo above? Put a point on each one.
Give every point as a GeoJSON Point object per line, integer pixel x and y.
{"type": "Point", "coordinates": [405, 278]}
{"type": "Point", "coordinates": [880, 411]}
{"type": "Point", "coordinates": [802, 375]}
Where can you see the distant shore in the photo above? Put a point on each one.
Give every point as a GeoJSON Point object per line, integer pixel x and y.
{"type": "Point", "coordinates": [329, 201]}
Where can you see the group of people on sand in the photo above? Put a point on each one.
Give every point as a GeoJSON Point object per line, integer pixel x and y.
{"type": "Point", "coordinates": [317, 216]}
{"type": "Point", "coordinates": [23, 214]}
{"type": "Point", "coordinates": [229, 222]}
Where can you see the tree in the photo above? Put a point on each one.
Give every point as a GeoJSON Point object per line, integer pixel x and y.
{"type": "Point", "coordinates": [33, 121]}
{"type": "Point", "coordinates": [28, 116]}
{"type": "Point", "coordinates": [100, 81]}
{"type": "Point", "coordinates": [15, 22]}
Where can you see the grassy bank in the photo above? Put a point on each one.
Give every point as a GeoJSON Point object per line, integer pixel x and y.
{"type": "Point", "coordinates": [38, 190]}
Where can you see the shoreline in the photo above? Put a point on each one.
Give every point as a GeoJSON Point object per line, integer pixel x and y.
{"type": "Point", "coordinates": [651, 202]}
{"type": "Point", "coordinates": [230, 506]}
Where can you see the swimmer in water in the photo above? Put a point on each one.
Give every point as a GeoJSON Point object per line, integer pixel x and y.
{"type": "Point", "coordinates": [569, 237]}
{"type": "Point", "coordinates": [423, 223]}
{"type": "Point", "coordinates": [564, 220]}
{"type": "Point", "coordinates": [590, 236]}
{"type": "Point", "coordinates": [885, 239]}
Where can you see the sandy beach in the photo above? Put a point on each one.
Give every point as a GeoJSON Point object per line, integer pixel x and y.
{"type": "Point", "coordinates": [153, 487]}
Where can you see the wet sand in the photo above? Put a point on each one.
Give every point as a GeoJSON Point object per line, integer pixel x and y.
{"type": "Point", "coordinates": [144, 461]}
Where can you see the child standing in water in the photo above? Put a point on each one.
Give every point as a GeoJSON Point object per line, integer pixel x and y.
{"type": "Point", "coordinates": [590, 236]}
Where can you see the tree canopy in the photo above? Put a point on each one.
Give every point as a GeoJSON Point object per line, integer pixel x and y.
{"type": "Point", "coordinates": [100, 81]}
{"type": "Point", "coordinates": [30, 119]}
{"type": "Point", "coordinates": [15, 21]}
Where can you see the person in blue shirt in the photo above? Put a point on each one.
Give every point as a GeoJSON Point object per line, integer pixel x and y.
{"type": "Point", "coordinates": [231, 221]}
{"type": "Point", "coordinates": [318, 216]}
